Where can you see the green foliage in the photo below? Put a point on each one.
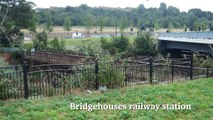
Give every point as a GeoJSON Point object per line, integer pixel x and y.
{"type": "Point", "coordinates": [88, 23]}
{"type": "Point", "coordinates": [101, 23]}
{"type": "Point", "coordinates": [145, 44]}
{"type": "Point", "coordinates": [14, 16]}
{"type": "Point", "coordinates": [17, 55]}
{"type": "Point", "coordinates": [192, 92]}
{"type": "Point", "coordinates": [125, 115]}
{"type": "Point", "coordinates": [89, 48]}
{"type": "Point", "coordinates": [156, 26]}
{"type": "Point", "coordinates": [108, 73]}
{"type": "Point", "coordinates": [202, 60]}
{"type": "Point", "coordinates": [7, 84]}
{"type": "Point", "coordinates": [163, 15]}
{"type": "Point", "coordinates": [41, 41]}
{"type": "Point", "coordinates": [57, 45]}
{"type": "Point", "coordinates": [200, 25]}
{"type": "Point", "coordinates": [67, 23]}
{"type": "Point", "coordinates": [116, 45]}
{"type": "Point", "coordinates": [26, 46]}
{"type": "Point", "coordinates": [49, 23]}
{"type": "Point", "coordinates": [123, 24]}
{"type": "Point", "coordinates": [2, 62]}
{"type": "Point", "coordinates": [170, 27]}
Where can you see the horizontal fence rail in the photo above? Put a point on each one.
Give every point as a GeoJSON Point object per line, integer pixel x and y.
{"type": "Point", "coordinates": [38, 81]}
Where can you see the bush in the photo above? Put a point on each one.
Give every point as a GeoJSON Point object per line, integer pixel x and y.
{"type": "Point", "coordinates": [41, 41]}
{"type": "Point", "coordinates": [108, 74]}
{"type": "Point", "coordinates": [26, 46]}
{"type": "Point", "coordinates": [116, 45]}
{"type": "Point", "coordinates": [57, 45]}
{"type": "Point", "coordinates": [145, 45]}
{"type": "Point", "coordinates": [8, 85]}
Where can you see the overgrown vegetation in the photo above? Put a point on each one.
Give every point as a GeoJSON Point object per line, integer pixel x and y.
{"type": "Point", "coordinates": [7, 76]}
{"type": "Point", "coordinates": [107, 75]}
{"type": "Point", "coordinates": [57, 45]}
{"type": "Point", "coordinates": [202, 60]}
{"type": "Point", "coordinates": [115, 45]}
{"type": "Point", "coordinates": [145, 45]}
{"type": "Point", "coordinates": [197, 93]}
{"type": "Point", "coordinates": [41, 40]}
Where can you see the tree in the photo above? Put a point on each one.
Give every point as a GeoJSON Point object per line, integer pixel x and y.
{"type": "Point", "coordinates": [173, 11]}
{"type": "Point", "coordinates": [170, 27]}
{"type": "Point", "coordinates": [41, 41]}
{"type": "Point", "coordinates": [163, 8]}
{"type": "Point", "coordinates": [123, 24]}
{"type": "Point", "coordinates": [196, 26]}
{"type": "Point", "coordinates": [101, 23]}
{"type": "Point", "coordinates": [67, 23]}
{"type": "Point", "coordinates": [14, 16]}
{"type": "Point", "coordinates": [49, 24]}
{"type": "Point", "coordinates": [184, 28]}
{"type": "Point", "coordinates": [34, 24]}
{"type": "Point", "coordinates": [156, 25]}
{"type": "Point", "coordinates": [145, 45]}
{"type": "Point", "coordinates": [88, 23]}
{"type": "Point", "coordinates": [115, 45]}
{"type": "Point", "coordinates": [203, 24]}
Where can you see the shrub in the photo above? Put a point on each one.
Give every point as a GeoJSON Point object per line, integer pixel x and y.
{"type": "Point", "coordinates": [41, 41]}
{"type": "Point", "coordinates": [116, 45]}
{"type": "Point", "coordinates": [8, 85]}
{"type": "Point", "coordinates": [57, 45]}
{"type": "Point", "coordinates": [145, 44]}
{"type": "Point", "coordinates": [26, 46]}
{"type": "Point", "coordinates": [108, 73]}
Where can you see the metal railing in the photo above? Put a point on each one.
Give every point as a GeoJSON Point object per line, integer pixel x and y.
{"type": "Point", "coordinates": [59, 79]}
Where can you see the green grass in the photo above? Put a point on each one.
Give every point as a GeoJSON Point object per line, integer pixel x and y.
{"type": "Point", "coordinates": [197, 93]}
{"type": "Point", "coordinates": [72, 43]}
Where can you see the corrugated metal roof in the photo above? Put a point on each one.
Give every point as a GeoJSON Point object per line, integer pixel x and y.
{"type": "Point", "coordinates": [188, 40]}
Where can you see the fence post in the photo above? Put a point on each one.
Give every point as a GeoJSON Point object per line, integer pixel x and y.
{"type": "Point", "coordinates": [172, 70]}
{"type": "Point", "coordinates": [125, 68]}
{"type": "Point", "coordinates": [150, 69]}
{"type": "Point", "coordinates": [25, 70]}
{"type": "Point", "coordinates": [96, 75]}
{"type": "Point", "coordinates": [191, 64]}
{"type": "Point", "coordinates": [207, 71]}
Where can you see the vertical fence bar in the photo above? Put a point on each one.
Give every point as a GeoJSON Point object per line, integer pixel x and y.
{"type": "Point", "coordinates": [150, 69]}
{"type": "Point", "coordinates": [191, 64]}
{"type": "Point", "coordinates": [96, 75]}
{"type": "Point", "coordinates": [172, 70]}
{"type": "Point", "coordinates": [207, 71]}
{"type": "Point", "coordinates": [25, 70]}
{"type": "Point", "coordinates": [125, 72]}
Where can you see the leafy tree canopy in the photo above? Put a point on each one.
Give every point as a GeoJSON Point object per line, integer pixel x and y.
{"type": "Point", "coordinates": [14, 16]}
{"type": "Point", "coordinates": [84, 15]}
